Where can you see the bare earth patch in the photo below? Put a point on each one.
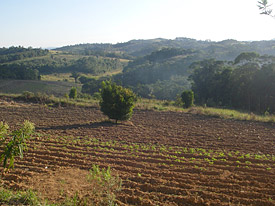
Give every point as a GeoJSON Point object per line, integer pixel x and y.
{"type": "Point", "coordinates": [163, 158]}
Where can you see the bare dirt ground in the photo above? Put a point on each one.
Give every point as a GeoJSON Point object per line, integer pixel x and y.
{"type": "Point", "coordinates": [163, 158]}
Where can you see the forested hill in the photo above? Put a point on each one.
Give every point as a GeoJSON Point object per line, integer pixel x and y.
{"type": "Point", "coordinates": [19, 53]}
{"type": "Point", "coordinates": [224, 50]}
{"type": "Point", "coordinates": [30, 63]}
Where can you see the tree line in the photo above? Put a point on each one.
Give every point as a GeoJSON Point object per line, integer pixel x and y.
{"type": "Point", "coordinates": [16, 71]}
{"type": "Point", "coordinates": [248, 83]}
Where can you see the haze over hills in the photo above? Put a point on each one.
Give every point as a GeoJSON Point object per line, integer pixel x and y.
{"type": "Point", "coordinates": [223, 50]}
{"type": "Point", "coordinates": [154, 68]}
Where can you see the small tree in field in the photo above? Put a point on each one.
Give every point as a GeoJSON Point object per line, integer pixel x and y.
{"type": "Point", "coordinates": [73, 93]}
{"type": "Point", "coordinates": [187, 98]}
{"type": "Point", "coordinates": [116, 102]}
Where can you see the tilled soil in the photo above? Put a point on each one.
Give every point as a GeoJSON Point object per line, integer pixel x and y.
{"type": "Point", "coordinates": [163, 158]}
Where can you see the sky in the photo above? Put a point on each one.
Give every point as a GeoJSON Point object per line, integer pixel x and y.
{"type": "Point", "coordinates": [56, 23]}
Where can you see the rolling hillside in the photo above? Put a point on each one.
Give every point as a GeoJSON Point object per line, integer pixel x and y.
{"type": "Point", "coordinates": [223, 50]}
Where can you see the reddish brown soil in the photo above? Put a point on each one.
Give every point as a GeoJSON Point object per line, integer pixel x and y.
{"type": "Point", "coordinates": [65, 146]}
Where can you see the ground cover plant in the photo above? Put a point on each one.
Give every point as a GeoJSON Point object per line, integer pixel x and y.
{"type": "Point", "coordinates": [162, 158]}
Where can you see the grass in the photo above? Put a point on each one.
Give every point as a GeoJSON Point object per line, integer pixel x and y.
{"type": "Point", "coordinates": [56, 88]}
{"type": "Point", "coordinates": [51, 101]}
{"type": "Point", "coordinates": [58, 77]}
{"type": "Point", "coordinates": [11, 197]}
{"type": "Point", "coordinates": [157, 105]}
{"type": "Point", "coordinates": [231, 114]}
{"type": "Point", "coordinates": [163, 105]}
{"type": "Point", "coordinates": [152, 104]}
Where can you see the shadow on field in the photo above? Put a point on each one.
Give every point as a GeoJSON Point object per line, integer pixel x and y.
{"type": "Point", "coordinates": [74, 126]}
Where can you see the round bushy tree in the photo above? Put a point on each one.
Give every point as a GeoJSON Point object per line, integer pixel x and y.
{"type": "Point", "coordinates": [187, 98]}
{"type": "Point", "coordinates": [116, 102]}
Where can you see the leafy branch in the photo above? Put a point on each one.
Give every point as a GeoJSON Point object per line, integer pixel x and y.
{"type": "Point", "coordinates": [265, 8]}
{"type": "Point", "coordinates": [16, 142]}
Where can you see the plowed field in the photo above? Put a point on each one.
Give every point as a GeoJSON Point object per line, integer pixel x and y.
{"type": "Point", "coordinates": [163, 158]}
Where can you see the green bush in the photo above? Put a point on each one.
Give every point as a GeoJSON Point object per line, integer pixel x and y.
{"type": "Point", "coordinates": [187, 98]}
{"type": "Point", "coordinates": [116, 102]}
{"type": "Point", "coordinates": [73, 93]}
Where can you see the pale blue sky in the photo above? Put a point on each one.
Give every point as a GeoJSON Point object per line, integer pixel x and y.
{"type": "Point", "coordinates": [54, 23]}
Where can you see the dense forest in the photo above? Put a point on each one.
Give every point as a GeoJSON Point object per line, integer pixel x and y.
{"type": "Point", "coordinates": [248, 83]}
{"type": "Point", "coordinates": [225, 74]}
{"type": "Point", "coordinates": [18, 53]}
{"type": "Point", "coordinates": [10, 70]}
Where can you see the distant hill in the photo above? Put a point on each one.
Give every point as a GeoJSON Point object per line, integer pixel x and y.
{"type": "Point", "coordinates": [223, 50]}
{"type": "Point", "coordinates": [28, 64]}
{"type": "Point", "coordinates": [153, 68]}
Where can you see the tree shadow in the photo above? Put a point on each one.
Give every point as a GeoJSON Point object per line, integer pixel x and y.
{"type": "Point", "coordinates": [105, 123]}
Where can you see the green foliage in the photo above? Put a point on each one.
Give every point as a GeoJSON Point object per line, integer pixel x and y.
{"type": "Point", "coordinates": [116, 102]}
{"type": "Point", "coordinates": [73, 93]}
{"type": "Point", "coordinates": [17, 53]}
{"type": "Point", "coordinates": [248, 56]}
{"type": "Point", "coordinates": [90, 85]}
{"type": "Point", "coordinates": [16, 142]}
{"type": "Point", "coordinates": [21, 63]}
{"type": "Point", "coordinates": [16, 71]}
{"type": "Point", "coordinates": [9, 197]}
{"type": "Point", "coordinates": [187, 98]}
{"type": "Point", "coordinates": [248, 84]}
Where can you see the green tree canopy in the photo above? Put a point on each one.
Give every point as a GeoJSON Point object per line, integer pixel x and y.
{"type": "Point", "coordinates": [117, 102]}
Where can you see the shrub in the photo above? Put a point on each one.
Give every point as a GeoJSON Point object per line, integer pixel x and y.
{"type": "Point", "coordinates": [187, 98]}
{"type": "Point", "coordinates": [73, 93]}
{"type": "Point", "coordinates": [35, 97]}
{"type": "Point", "coordinates": [116, 102]}
{"type": "Point", "coordinates": [27, 95]}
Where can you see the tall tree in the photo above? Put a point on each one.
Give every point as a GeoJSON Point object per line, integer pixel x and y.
{"type": "Point", "coordinates": [205, 79]}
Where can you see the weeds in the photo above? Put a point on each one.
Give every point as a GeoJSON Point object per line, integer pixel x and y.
{"type": "Point", "coordinates": [19, 198]}
{"type": "Point", "coordinates": [105, 185]}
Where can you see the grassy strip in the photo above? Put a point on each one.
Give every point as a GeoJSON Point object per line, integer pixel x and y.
{"type": "Point", "coordinates": [231, 114]}
{"type": "Point", "coordinates": [51, 100]}
{"type": "Point", "coordinates": [162, 105]}
{"type": "Point", "coordinates": [144, 104]}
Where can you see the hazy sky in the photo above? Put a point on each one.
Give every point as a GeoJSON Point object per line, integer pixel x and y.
{"type": "Point", "coordinates": [54, 23]}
